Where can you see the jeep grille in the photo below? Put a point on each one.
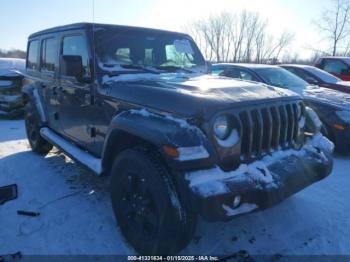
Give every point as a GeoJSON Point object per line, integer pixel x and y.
{"type": "Point", "coordinates": [265, 130]}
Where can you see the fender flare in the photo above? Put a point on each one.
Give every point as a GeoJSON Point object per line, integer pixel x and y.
{"type": "Point", "coordinates": [156, 130]}
{"type": "Point", "coordinates": [30, 94]}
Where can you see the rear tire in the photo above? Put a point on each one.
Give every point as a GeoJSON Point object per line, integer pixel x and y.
{"type": "Point", "coordinates": [146, 205]}
{"type": "Point", "coordinates": [38, 144]}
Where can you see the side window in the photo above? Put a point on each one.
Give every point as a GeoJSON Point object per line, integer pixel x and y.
{"type": "Point", "coordinates": [48, 54]}
{"type": "Point", "coordinates": [241, 74]}
{"type": "Point", "coordinates": [334, 66]}
{"type": "Point", "coordinates": [217, 70]}
{"type": "Point", "coordinates": [32, 57]}
{"type": "Point", "coordinates": [303, 75]}
{"type": "Point", "coordinates": [76, 45]}
{"type": "Point", "coordinates": [247, 76]}
{"type": "Point", "coordinates": [232, 72]}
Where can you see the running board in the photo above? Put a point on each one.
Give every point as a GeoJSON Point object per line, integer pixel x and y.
{"type": "Point", "coordinates": [88, 160]}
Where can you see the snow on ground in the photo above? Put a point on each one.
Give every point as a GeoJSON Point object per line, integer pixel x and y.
{"type": "Point", "coordinates": [76, 215]}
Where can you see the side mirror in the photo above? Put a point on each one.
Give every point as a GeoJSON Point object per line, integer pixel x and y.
{"type": "Point", "coordinates": [312, 81]}
{"type": "Point", "coordinates": [72, 65]}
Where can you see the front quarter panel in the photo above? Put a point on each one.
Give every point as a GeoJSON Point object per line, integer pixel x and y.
{"type": "Point", "coordinates": [159, 131]}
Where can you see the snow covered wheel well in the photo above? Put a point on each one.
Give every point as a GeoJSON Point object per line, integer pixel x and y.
{"type": "Point", "coordinates": [117, 142]}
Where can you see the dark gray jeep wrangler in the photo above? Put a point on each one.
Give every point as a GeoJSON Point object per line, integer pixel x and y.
{"type": "Point", "coordinates": [137, 104]}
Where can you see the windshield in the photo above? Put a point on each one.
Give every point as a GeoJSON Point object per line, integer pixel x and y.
{"type": "Point", "coordinates": [323, 75]}
{"type": "Point", "coordinates": [282, 78]}
{"type": "Point", "coordinates": [134, 50]}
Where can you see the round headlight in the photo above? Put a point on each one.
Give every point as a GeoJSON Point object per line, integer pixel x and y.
{"type": "Point", "coordinates": [313, 122]}
{"type": "Point", "coordinates": [221, 127]}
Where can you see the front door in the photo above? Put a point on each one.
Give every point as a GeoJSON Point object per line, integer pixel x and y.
{"type": "Point", "coordinates": [76, 102]}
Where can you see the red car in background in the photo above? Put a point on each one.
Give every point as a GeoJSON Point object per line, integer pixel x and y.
{"type": "Point", "coordinates": [316, 76]}
{"type": "Point", "coordinates": [337, 66]}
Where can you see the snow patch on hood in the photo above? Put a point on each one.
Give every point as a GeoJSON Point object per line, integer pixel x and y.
{"type": "Point", "coordinates": [181, 122]}
{"type": "Point", "coordinates": [106, 79]}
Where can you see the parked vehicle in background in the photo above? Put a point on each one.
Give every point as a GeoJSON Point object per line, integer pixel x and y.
{"type": "Point", "coordinates": [332, 107]}
{"type": "Point", "coordinates": [176, 141]}
{"type": "Point", "coordinates": [316, 76]}
{"type": "Point", "coordinates": [337, 66]}
{"type": "Point", "coordinates": [11, 103]}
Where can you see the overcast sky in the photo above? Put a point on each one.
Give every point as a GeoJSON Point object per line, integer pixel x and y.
{"type": "Point", "coordinates": [20, 18]}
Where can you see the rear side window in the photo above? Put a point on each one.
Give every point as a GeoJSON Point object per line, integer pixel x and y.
{"type": "Point", "coordinates": [32, 58]}
{"type": "Point", "coordinates": [240, 74]}
{"type": "Point", "coordinates": [76, 45]}
{"type": "Point", "coordinates": [305, 76]}
{"type": "Point", "coordinates": [334, 66]}
{"type": "Point", "coordinates": [49, 54]}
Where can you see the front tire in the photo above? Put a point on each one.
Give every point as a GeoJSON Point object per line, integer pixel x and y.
{"type": "Point", "coordinates": [144, 205]}
{"type": "Point", "coordinates": [38, 144]}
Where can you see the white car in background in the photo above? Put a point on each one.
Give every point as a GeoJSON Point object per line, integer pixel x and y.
{"type": "Point", "coordinates": [11, 77]}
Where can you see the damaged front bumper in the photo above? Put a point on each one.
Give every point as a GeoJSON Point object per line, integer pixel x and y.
{"type": "Point", "coordinates": [11, 106]}
{"type": "Point", "coordinates": [11, 101]}
{"type": "Point", "coordinates": [219, 195]}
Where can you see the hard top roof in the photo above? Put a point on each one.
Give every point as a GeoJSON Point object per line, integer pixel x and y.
{"type": "Point", "coordinates": [96, 26]}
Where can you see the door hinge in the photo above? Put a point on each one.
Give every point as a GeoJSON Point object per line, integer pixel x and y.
{"type": "Point", "coordinates": [56, 116]}
{"type": "Point", "coordinates": [93, 131]}
{"type": "Point", "coordinates": [92, 99]}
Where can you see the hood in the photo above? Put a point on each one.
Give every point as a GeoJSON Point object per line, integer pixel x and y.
{"type": "Point", "coordinates": [328, 96]}
{"type": "Point", "coordinates": [9, 73]}
{"type": "Point", "coordinates": [188, 95]}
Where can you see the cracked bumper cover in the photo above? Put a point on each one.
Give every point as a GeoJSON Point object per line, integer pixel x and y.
{"type": "Point", "coordinates": [213, 199]}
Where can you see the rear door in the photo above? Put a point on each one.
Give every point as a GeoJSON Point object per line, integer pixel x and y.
{"type": "Point", "coordinates": [49, 52]}
{"type": "Point", "coordinates": [76, 105]}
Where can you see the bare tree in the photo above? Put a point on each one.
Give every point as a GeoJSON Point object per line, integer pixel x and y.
{"type": "Point", "coordinates": [334, 23]}
{"type": "Point", "coordinates": [13, 53]}
{"type": "Point", "coordinates": [237, 37]}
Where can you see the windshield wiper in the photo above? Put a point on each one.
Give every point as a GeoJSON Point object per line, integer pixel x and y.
{"type": "Point", "coordinates": [140, 67]}
{"type": "Point", "coordinates": [131, 66]}
{"type": "Point", "coordinates": [173, 68]}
